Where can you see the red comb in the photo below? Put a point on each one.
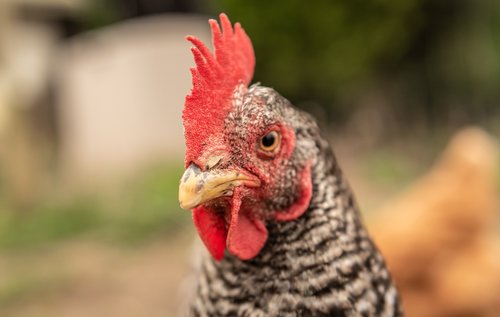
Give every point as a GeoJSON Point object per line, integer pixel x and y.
{"type": "Point", "coordinates": [215, 77]}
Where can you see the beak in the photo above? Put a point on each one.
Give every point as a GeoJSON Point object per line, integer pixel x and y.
{"type": "Point", "coordinates": [198, 187]}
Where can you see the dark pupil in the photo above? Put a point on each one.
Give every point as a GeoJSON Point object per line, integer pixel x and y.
{"type": "Point", "coordinates": [268, 140]}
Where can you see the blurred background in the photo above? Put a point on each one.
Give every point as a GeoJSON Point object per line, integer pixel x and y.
{"type": "Point", "coordinates": [91, 142]}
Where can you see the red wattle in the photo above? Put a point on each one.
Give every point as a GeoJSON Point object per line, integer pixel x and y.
{"type": "Point", "coordinates": [247, 235]}
{"type": "Point", "coordinates": [212, 230]}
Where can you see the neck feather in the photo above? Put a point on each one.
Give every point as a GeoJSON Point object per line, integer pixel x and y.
{"type": "Point", "coordinates": [322, 262]}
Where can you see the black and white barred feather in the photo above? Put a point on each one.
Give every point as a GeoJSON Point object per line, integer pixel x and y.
{"type": "Point", "coordinates": [321, 264]}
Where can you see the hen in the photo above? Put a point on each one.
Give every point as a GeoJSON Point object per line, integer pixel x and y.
{"type": "Point", "coordinates": [438, 236]}
{"type": "Point", "coordinates": [264, 184]}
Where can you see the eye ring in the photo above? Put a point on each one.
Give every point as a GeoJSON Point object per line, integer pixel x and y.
{"type": "Point", "coordinates": [270, 141]}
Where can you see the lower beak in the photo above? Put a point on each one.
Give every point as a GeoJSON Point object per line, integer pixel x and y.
{"type": "Point", "coordinates": [198, 187]}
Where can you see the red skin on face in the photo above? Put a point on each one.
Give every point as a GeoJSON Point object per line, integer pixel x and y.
{"type": "Point", "coordinates": [215, 78]}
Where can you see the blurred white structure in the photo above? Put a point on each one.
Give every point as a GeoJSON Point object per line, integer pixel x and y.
{"type": "Point", "coordinates": [120, 93]}
{"type": "Point", "coordinates": [28, 45]}
{"type": "Point", "coordinates": [27, 48]}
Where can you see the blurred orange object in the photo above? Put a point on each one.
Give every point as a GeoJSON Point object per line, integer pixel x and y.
{"type": "Point", "coordinates": [438, 236]}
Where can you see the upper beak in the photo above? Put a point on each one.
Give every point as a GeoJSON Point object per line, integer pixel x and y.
{"type": "Point", "coordinates": [198, 187]}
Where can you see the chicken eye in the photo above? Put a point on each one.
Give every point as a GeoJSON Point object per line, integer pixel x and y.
{"type": "Point", "coordinates": [270, 141]}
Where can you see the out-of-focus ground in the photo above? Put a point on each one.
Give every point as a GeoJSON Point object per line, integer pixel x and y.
{"type": "Point", "coordinates": [85, 278]}
{"type": "Point", "coordinates": [91, 142]}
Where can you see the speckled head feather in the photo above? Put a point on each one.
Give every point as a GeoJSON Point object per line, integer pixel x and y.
{"type": "Point", "coordinates": [215, 77]}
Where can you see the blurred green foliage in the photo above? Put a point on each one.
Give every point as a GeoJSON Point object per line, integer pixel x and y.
{"type": "Point", "coordinates": [138, 212]}
{"type": "Point", "coordinates": [321, 49]}
{"type": "Point", "coordinates": [147, 208]}
{"type": "Point", "coordinates": [385, 168]}
{"type": "Point", "coordinates": [428, 61]}
{"type": "Point", "coordinates": [99, 13]}
{"type": "Point", "coordinates": [22, 286]}
{"type": "Point", "coordinates": [49, 222]}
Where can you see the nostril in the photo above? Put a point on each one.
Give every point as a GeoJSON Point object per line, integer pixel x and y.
{"type": "Point", "coordinates": [213, 162]}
